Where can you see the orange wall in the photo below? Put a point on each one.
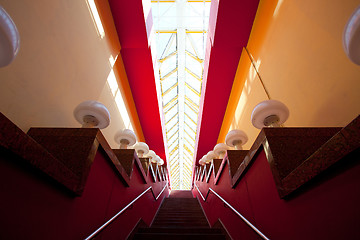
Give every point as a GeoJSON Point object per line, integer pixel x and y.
{"type": "Point", "coordinates": [296, 48]}
{"type": "Point", "coordinates": [62, 61]}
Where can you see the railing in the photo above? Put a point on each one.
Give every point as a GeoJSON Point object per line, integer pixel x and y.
{"type": "Point", "coordinates": [123, 210]}
{"type": "Point", "coordinates": [232, 208]}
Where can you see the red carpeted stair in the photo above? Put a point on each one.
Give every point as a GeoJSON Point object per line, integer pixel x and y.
{"type": "Point", "coordinates": [180, 217]}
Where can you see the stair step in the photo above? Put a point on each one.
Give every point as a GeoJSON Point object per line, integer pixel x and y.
{"type": "Point", "coordinates": [178, 236]}
{"type": "Point", "coordinates": [176, 230]}
{"type": "Point", "coordinates": [180, 218]}
{"type": "Point", "coordinates": [180, 224]}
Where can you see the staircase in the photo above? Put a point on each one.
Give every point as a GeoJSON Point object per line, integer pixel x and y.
{"type": "Point", "coordinates": [180, 217]}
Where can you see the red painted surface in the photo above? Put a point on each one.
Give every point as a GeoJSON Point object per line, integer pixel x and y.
{"type": "Point", "coordinates": [34, 207]}
{"type": "Point", "coordinates": [142, 79]}
{"type": "Point", "coordinates": [229, 30]}
{"type": "Point", "coordinates": [133, 34]}
{"type": "Point", "coordinates": [325, 208]}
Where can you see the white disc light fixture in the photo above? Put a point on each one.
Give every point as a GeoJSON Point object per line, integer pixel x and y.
{"type": "Point", "coordinates": [9, 39]}
{"type": "Point", "coordinates": [220, 150]}
{"type": "Point", "coordinates": [141, 148]}
{"type": "Point", "coordinates": [156, 159]}
{"type": "Point", "coordinates": [125, 138]}
{"type": "Point", "coordinates": [151, 155]}
{"type": "Point", "coordinates": [269, 113]}
{"type": "Point", "coordinates": [236, 138]}
{"type": "Point", "coordinates": [161, 162]}
{"type": "Point", "coordinates": [351, 37]}
{"type": "Point", "coordinates": [202, 161]}
{"type": "Point", "coordinates": [209, 157]}
{"type": "Point", "coordinates": [92, 114]}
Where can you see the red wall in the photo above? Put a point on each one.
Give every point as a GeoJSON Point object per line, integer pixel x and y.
{"type": "Point", "coordinates": [325, 208]}
{"type": "Point", "coordinates": [33, 206]}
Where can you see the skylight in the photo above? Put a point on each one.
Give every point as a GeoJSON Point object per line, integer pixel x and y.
{"type": "Point", "coordinates": [180, 28]}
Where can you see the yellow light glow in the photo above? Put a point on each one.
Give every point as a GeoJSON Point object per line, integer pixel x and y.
{"type": "Point", "coordinates": [114, 87]}
{"type": "Point", "coordinates": [121, 106]}
{"type": "Point", "coordinates": [112, 61]}
{"type": "Point", "coordinates": [112, 82]}
{"type": "Point", "coordinates": [96, 18]}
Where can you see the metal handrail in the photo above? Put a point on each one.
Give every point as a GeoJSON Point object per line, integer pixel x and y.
{"type": "Point", "coordinates": [232, 208]}
{"type": "Point", "coordinates": [122, 210]}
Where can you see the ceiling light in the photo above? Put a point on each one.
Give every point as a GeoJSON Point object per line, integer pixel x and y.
{"type": "Point", "coordinates": [9, 39]}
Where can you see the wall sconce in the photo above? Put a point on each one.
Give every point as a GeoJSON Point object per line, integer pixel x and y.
{"type": "Point", "coordinates": [125, 138]}
{"type": "Point", "coordinates": [269, 113]}
{"type": "Point", "coordinates": [92, 114]}
{"type": "Point", "coordinates": [9, 39]}
{"type": "Point", "coordinates": [209, 157]}
{"type": "Point", "coordinates": [202, 161]}
{"type": "Point", "coordinates": [155, 159]}
{"type": "Point", "coordinates": [151, 155]}
{"type": "Point", "coordinates": [220, 150]}
{"type": "Point", "coordinates": [236, 138]}
{"type": "Point", "coordinates": [141, 148]}
{"type": "Point", "coordinates": [351, 37]}
{"type": "Point", "coordinates": [161, 162]}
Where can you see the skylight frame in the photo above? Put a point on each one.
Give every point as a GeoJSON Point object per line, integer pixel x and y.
{"type": "Point", "coordinates": [180, 43]}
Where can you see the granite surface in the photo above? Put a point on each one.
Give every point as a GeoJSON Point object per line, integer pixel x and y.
{"type": "Point", "coordinates": [344, 142]}
{"type": "Point", "coordinates": [15, 140]}
{"type": "Point", "coordinates": [296, 155]}
{"type": "Point", "coordinates": [145, 164]}
{"type": "Point", "coordinates": [224, 161]}
{"type": "Point", "coordinates": [235, 158]}
{"type": "Point", "coordinates": [129, 159]}
{"type": "Point", "coordinates": [126, 157]}
{"type": "Point", "coordinates": [64, 154]}
{"type": "Point", "coordinates": [76, 148]}
{"type": "Point", "coordinates": [216, 166]}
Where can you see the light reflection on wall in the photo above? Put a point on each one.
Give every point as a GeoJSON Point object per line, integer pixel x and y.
{"type": "Point", "coordinates": [96, 18]}
{"type": "Point", "coordinates": [114, 87]}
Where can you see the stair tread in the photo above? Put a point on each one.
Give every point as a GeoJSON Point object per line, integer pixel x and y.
{"type": "Point", "coordinates": [180, 233]}
{"type": "Point", "coordinates": [180, 218]}
{"type": "Point", "coordinates": [184, 230]}
{"type": "Point", "coordinates": [178, 236]}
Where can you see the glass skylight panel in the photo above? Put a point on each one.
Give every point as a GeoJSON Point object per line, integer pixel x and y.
{"type": "Point", "coordinates": [166, 85]}
{"type": "Point", "coordinates": [172, 130]}
{"type": "Point", "coordinates": [188, 141]}
{"type": "Point", "coordinates": [167, 69]}
{"type": "Point", "coordinates": [171, 112]}
{"type": "Point", "coordinates": [194, 67]}
{"type": "Point", "coordinates": [163, 40]}
{"type": "Point", "coordinates": [200, 40]}
{"type": "Point", "coordinates": [193, 83]}
{"type": "Point", "coordinates": [193, 95]}
{"type": "Point", "coordinates": [189, 134]}
{"type": "Point", "coordinates": [170, 95]}
{"type": "Point", "coordinates": [180, 29]}
{"type": "Point", "coordinates": [191, 113]}
{"type": "Point", "coordinates": [174, 120]}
